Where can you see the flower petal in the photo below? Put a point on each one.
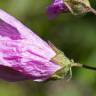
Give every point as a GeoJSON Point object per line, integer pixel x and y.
{"type": "Point", "coordinates": [24, 52]}
{"type": "Point", "coordinates": [18, 30]}
{"type": "Point", "coordinates": [57, 7]}
{"type": "Point", "coordinates": [7, 30]}
{"type": "Point", "coordinates": [9, 74]}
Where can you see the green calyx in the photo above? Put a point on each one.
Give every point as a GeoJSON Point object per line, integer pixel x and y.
{"type": "Point", "coordinates": [79, 7]}
{"type": "Point", "coordinates": [66, 65]}
{"type": "Point", "coordinates": [60, 59]}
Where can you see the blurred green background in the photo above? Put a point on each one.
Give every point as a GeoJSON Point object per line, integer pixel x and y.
{"type": "Point", "coordinates": [76, 36]}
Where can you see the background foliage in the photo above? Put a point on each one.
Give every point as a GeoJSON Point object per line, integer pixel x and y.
{"type": "Point", "coordinates": [76, 36]}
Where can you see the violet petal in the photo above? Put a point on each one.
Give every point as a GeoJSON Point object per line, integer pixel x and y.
{"type": "Point", "coordinates": [57, 7]}
{"type": "Point", "coordinates": [23, 51]}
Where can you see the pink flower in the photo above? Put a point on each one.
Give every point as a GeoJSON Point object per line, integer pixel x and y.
{"type": "Point", "coordinates": [23, 55]}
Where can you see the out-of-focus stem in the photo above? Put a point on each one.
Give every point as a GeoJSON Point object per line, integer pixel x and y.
{"type": "Point", "coordinates": [93, 10]}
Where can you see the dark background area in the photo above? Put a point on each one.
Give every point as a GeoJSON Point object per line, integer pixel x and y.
{"type": "Point", "coordinates": [74, 35]}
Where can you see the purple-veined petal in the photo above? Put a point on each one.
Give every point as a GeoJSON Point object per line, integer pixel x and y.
{"type": "Point", "coordinates": [25, 33]}
{"type": "Point", "coordinates": [23, 51]}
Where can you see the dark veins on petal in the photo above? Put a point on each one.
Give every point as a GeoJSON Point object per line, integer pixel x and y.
{"type": "Point", "coordinates": [9, 31]}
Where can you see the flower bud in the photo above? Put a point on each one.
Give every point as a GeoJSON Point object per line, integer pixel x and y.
{"type": "Point", "coordinates": [57, 7]}
{"type": "Point", "coordinates": [24, 55]}
{"type": "Point", "coordinates": [79, 7]}
{"type": "Point", "coordinates": [76, 7]}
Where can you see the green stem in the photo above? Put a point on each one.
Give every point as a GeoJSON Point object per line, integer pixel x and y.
{"type": "Point", "coordinates": [83, 66]}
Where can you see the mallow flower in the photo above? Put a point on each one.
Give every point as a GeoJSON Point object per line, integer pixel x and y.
{"type": "Point", "coordinates": [76, 7]}
{"type": "Point", "coordinates": [25, 56]}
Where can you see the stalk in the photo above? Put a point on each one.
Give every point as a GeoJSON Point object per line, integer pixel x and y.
{"type": "Point", "coordinates": [83, 66]}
